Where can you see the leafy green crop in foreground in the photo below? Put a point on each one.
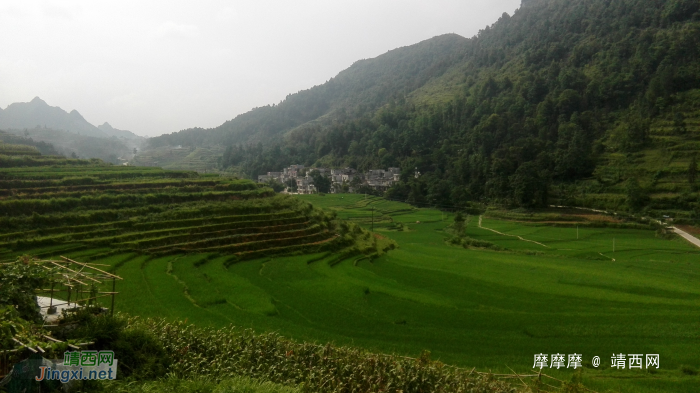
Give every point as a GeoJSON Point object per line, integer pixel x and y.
{"type": "Point", "coordinates": [200, 385]}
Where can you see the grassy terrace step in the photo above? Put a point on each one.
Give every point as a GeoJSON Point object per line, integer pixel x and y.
{"type": "Point", "coordinates": [9, 188]}
{"type": "Point", "coordinates": [86, 182]}
{"type": "Point", "coordinates": [254, 219]}
{"type": "Point", "coordinates": [149, 216]}
{"type": "Point", "coordinates": [329, 243]}
{"type": "Point", "coordinates": [103, 174]}
{"type": "Point", "coordinates": [250, 246]}
{"type": "Point", "coordinates": [78, 180]}
{"type": "Point", "coordinates": [25, 242]}
{"type": "Point", "coordinates": [207, 224]}
{"type": "Point", "coordinates": [157, 245]}
{"type": "Point", "coordinates": [13, 195]}
{"type": "Point", "coordinates": [160, 237]}
{"type": "Point", "coordinates": [30, 206]}
{"type": "Point", "coordinates": [150, 239]}
{"type": "Point", "coordinates": [8, 149]}
{"type": "Point", "coordinates": [96, 193]}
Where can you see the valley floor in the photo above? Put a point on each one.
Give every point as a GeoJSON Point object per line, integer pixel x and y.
{"type": "Point", "coordinates": [566, 291]}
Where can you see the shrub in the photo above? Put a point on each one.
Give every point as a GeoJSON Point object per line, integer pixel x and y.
{"type": "Point", "coordinates": [688, 370]}
{"type": "Point", "coordinates": [18, 282]}
{"type": "Point", "coordinates": [141, 355]}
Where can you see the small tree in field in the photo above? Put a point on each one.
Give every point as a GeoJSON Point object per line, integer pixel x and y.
{"type": "Point", "coordinates": [459, 224]}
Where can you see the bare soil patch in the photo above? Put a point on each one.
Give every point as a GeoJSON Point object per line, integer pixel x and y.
{"type": "Point", "coordinates": [597, 217]}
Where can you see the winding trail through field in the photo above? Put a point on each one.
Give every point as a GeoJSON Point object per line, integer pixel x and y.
{"type": "Point", "coordinates": [687, 236]}
{"type": "Point", "coordinates": [505, 234]}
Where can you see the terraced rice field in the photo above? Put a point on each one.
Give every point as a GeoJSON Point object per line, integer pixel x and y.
{"type": "Point", "coordinates": [192, 159]}
{"type": "Point", "coordinates": [81, 205]}
{"type": "Point", "coordinates": [219, 251]}
{"type": "Point", "coordinates": [470, 307]}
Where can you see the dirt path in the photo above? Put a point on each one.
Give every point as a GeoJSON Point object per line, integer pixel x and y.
{"type": "Point", "coordinates": [613, 259]}
{"type": "Point", "coordinates": [687, 236]}
{"type": "Point", "coordinates": [504, 234]}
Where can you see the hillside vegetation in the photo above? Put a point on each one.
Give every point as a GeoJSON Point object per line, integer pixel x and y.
{"type": "Point", "coordinates": [74, 145]}
{"type": "Point", "coordinates": [588, 102]}
{"type": "Point", "coordinates": [360, 89]}
{"type": "Point", "coordinates": [28, 144]}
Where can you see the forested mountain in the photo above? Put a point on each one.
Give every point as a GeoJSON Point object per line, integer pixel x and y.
{"type": "Point", "coordinates": [592, 102]}
{"type": "Point", "coordinates": [359, 90]}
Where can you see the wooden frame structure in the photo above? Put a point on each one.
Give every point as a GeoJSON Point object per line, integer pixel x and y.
{"type": "Point", "coordinates": [76, 279]}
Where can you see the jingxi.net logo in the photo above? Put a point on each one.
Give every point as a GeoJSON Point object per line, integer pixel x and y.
{"type": "Point", "coordinates": [83, 365]}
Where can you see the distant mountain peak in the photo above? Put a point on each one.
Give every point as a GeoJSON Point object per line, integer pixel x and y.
{"type": "Point", "coordinates": [77, 115]}
{"type": "Point", "coordinates": [111, 131]}
{"type": "Point", "coordinates": [21, 115]}
{"type": "Point", "coordinates": [39, 101]}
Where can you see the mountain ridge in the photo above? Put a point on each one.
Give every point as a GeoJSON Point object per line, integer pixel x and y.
{"type": "Point", "coordinates": [38, 113]}
{"type": "Point", "coordinates": [69, 133]}
{"type": "Point", "coordinates": [364, 86]}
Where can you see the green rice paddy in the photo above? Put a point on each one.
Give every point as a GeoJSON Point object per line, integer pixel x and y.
{"type": "Point", "coordinates": [493, 310]}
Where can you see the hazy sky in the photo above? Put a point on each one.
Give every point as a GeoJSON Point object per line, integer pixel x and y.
{"type": "Point", "coordinates": [157, 66]}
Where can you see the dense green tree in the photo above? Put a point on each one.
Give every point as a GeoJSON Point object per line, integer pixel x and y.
{"type": "Point", "coordinates": [636, 195]}
{"type": "Point", "coordinates": [18, 282]}
{"type": "Point", "coordinates": [276, 185]}
{"type": "Point", "coordinates": [322, 183]}
{"type": "Point", "coordinates": [530, 185]}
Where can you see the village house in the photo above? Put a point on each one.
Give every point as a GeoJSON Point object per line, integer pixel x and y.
{"type": "Point", "coordinates": [382, 180]}
{"type": "Point", "coordinates": [379, 179]}
{"type": "Point", "coordinates": [305, 185]}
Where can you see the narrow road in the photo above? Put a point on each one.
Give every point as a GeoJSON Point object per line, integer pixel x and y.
{"type": "Point", "coordinates": [687, 236]}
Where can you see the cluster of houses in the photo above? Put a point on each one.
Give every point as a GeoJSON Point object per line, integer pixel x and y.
{"type": "Point", "coordinates": [342, 180]}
